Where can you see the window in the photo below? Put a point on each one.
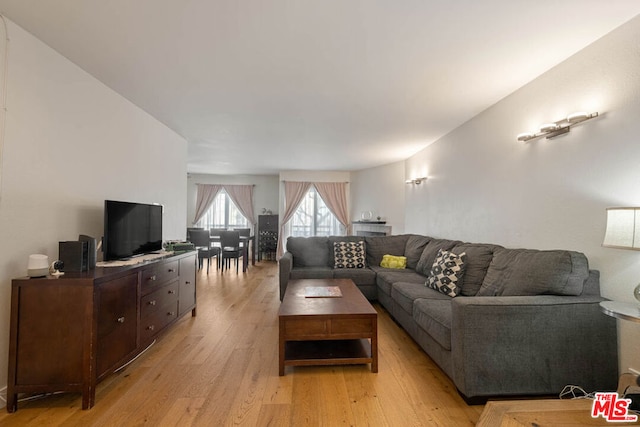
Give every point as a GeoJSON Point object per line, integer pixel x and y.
{"type": "Point", "coordinates": [313, 218]}
{"type": "Point", "coordinates": [223, 213]}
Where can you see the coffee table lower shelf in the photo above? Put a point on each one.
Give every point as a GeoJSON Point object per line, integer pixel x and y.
{"type": "Point", "coordinates": [328, 352]}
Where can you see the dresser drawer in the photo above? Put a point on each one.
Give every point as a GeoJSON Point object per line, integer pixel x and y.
{"type": "Point", "coordinates": [157, 275]}
{"type": "Point", "coordinates": [153, 323]}
{"type": "Point", "coordinates": [158, 299]}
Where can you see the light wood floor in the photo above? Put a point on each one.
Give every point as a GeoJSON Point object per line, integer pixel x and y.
{"type": "Point", "coordinates": [221, 368]}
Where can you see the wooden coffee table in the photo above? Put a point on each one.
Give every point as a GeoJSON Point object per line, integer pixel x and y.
{"type": "Point", "coordinates": [327, 330]}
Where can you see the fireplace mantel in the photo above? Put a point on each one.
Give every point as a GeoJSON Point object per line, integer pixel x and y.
{"type": "Point", "coordinates": [370, 228]}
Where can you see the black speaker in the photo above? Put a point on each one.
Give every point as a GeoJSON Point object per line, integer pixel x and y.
{"type": "Point", "coordinates": [74, 255]}
{"type": "Point", "coordinates": [93, 251]}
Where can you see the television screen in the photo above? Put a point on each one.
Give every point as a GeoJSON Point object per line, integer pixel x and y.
{"type": "Point", "coordinates": [131, 229]}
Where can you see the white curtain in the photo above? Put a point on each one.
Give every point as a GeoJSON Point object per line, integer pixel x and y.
{"type": "Point", "coordinates": [294, 192]}
{"type": "Point", "coordinates": [334, 195]}
{"type": "Point", "coordinates": [242, 196]}
{"type": "Point", "coordinates": [205, 193]}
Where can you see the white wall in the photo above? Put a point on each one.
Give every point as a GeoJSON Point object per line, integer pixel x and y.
{"type": "Point", "coordinates": [484, 186]}
{"type": "Point", "coordinates": [380, 190]}
{"type": "Point", "coordinates": [71, 143]}
{"type": "Point", "coordinates": [265, 192]}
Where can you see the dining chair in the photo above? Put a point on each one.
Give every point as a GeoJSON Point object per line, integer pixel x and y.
{"type": "Point", "coordinates": [202, 241]}
{"type": "Point", "coordinates": [244, 232]}
{"type": "Point", "coordinates": [189, 230]}
{"type": "Point", "coordinates": [230, 242]}
{"type": "Point", "coordinates": [215, 240]}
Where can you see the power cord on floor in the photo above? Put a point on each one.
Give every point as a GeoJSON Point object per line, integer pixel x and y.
{"type": "Point", "coordinates": [575, 392]}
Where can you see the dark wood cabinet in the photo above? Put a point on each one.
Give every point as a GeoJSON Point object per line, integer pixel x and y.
{"type": "Point", "coordinates": [267, 236]}
{"type": "Point", "coordinates": [67, 333]}
{"type": "Point", "coordinates": [187, 283]}
{"type": "Point", "coordinates": [117, 302]}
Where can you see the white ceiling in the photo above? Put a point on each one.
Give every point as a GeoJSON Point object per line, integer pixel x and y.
{"type": "Point", "coordinates": [261, 86]}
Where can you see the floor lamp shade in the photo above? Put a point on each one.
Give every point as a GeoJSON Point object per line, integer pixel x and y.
{"type": "Point", "coordinates": [623, 228]}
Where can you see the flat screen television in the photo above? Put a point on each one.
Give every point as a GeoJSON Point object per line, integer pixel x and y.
{"type": "Point", "coordinates": [131, 229]}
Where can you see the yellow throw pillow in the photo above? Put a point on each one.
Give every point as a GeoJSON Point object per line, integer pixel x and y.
{"type": "Point", "coordinates": [392, 261]}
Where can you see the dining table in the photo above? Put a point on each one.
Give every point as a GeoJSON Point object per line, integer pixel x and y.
{"type": "Point", "coordinates": [246, 242]}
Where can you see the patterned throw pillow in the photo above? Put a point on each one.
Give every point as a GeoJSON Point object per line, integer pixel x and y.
{"type": "Point", "coordinates": [348, 254]}
{"type": "Point", "coordinates": [446, 272]}
{"type": "Point", "coordinates": [392, 261]}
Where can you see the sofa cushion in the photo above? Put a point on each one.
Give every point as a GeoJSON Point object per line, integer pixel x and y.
{"type": "Point", "coordinates": [414, 248]}
{"type": "Point", "coordinates": [360, 276]}
{"type": "Point", "coordinates": [348, 254]}
{"type": "Point", "coordinates": [405, 293]}
{"type": "Point", "coordinates": [535, 272]}
{"type": "Point", "coordinates": [479, 257]}
{"type": "Point", "coordinates": [431, 251]}
{"type": "Point", "coordinates": [434, 317]}
{"type": "Point", "coordinates": [393, 261]}
{"type": "Point", "coordinates": [309, 251]}
{"type": "Point", "coordinates": [446, 272]}
{"type": "Point", "coordinates": [311, 273]}
{"type": "Point", "coordinates": [377, 246]}
{"type": "Point", "coordinates": [385, 277]}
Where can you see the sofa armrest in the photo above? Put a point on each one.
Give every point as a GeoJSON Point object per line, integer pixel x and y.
{"type": "Point", "coordinates": [285, 264]}
{"type": "Point", "coordinates": [533, 344]}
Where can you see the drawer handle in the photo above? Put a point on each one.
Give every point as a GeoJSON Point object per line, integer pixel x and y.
{"type": "Point", "coordinates": [152, 302]}
{"type": "Point", "coordinates": [151, 327]}
{"type": "Point", "coordinates": [121, 319]}
{"type": "Point", "coordinates": [171, 292]}
{"type": "Point", "coordinates": [152, 278]}
{"type": "Point", "coordinates": [172, 270]}
{"type": "Point", "coordinates": [187, 282]}
{"type": "Point", "coordinates": [171, 313]}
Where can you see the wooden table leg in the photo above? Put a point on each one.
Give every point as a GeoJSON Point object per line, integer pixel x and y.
{"type": "Point", "coordinates": [374, 346]}
{"type": "Point", "coordinates": [281, 349]}
{"type": "Point", "coordinates": [245, 256]}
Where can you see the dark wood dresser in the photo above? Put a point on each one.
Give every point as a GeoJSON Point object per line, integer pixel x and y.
{"type": "Point", "coordinates": [67, 333]}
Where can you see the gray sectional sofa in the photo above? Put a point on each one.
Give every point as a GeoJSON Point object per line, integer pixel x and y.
{"type": "Point", "coordinates": [525, 322]}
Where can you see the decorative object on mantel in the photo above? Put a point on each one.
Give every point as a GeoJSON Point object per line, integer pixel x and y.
{"type": "Point", "coordinates": [266, 211]}
{"type": "Point", "coordinates": [416, 181]}
{"type": "Point", "coordinates": [623, 232]}
{"type": "Point", "coordinates": [551, 130]}
{"type": "Point", "coordinates": [366, 216]}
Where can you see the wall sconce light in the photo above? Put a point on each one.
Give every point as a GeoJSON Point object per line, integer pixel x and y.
{"type": "Point", "coordinates": [551, 130]}
{"type": "Point", "coordinates": [416, 181]}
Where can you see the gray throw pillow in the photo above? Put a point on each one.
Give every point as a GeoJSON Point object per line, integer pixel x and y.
{"type": "Point", "coordinates": [414, 248]}
{"type": "Point", "coordinates": [431, 251]}
{"type": "Point", "coordinates": [521, 272]}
